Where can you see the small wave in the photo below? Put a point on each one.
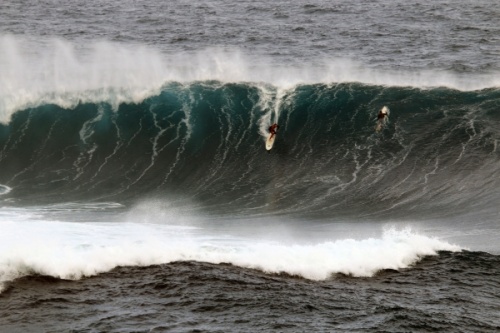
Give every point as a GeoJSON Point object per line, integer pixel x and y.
{"type": "Point", "coordinates": [76, 250]}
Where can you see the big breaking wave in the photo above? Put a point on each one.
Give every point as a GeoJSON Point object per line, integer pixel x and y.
{"type": "Point", "coordinates": [204, 141]}
{"type": "Point", "coordinates": [120, 123]}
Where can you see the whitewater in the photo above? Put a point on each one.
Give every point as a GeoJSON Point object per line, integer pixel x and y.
{"type": "Point", "coordinates": [75, 250]}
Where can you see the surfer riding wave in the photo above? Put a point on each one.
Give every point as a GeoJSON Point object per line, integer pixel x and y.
{"type": "Point", "coordinates": [382, 118]}
{"type": "Point", "coordinates": [273, 129]}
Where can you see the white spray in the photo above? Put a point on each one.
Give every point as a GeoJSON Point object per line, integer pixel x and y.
{"type": "Point", "coordinates": [35, 72]}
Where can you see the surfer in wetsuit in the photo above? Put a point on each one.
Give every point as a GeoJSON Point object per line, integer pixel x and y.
{"type": "Point", "coordinates": [381, 118]}
{"type": "Point", "coordinates": [273, 128]}
{"type": "Point", "coordinates": [382, 114]}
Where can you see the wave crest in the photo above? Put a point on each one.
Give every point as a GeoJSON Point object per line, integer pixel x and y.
{"type": "Point", "coordinates": [55, 71]}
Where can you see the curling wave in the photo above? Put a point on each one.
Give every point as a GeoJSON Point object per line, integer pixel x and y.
{"type": "Point", "coordinates": [437, 154]}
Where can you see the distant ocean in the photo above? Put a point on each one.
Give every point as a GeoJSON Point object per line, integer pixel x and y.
{"type": "Point", "coordinates": [136, 193]}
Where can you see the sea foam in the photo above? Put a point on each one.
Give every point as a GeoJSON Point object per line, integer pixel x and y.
{"type": "Point", "coordinates": [70, 250]}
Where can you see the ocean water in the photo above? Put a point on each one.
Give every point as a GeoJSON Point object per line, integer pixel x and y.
{"type": "Point", "coordinates": [136, 193]}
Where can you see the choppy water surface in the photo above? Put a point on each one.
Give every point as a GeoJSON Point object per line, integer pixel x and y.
{"type": "Point", "coordinates": [136, 193]}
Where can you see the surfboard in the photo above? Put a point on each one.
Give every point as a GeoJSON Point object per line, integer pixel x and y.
{"type": "Point", "coordinates": [270, 141]}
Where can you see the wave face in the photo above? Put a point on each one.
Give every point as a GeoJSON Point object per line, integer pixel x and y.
{"type": "Point", "coordinates": [203, 143]}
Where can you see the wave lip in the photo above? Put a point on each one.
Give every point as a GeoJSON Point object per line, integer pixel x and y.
{"type": "Point", "coordinates": [76, 250]}
{"type": "Point", "coordinates": [62, 73]}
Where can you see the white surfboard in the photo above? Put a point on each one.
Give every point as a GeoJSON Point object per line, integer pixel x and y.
{"type": "Point", "coordinates": [270, 141]}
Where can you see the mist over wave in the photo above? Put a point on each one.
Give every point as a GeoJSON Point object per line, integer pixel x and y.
{"type": "Point", "coordinates": [55, 71]}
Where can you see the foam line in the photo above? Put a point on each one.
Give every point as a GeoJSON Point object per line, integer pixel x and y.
{"type": "Point", "coordinates": [4, 189]}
